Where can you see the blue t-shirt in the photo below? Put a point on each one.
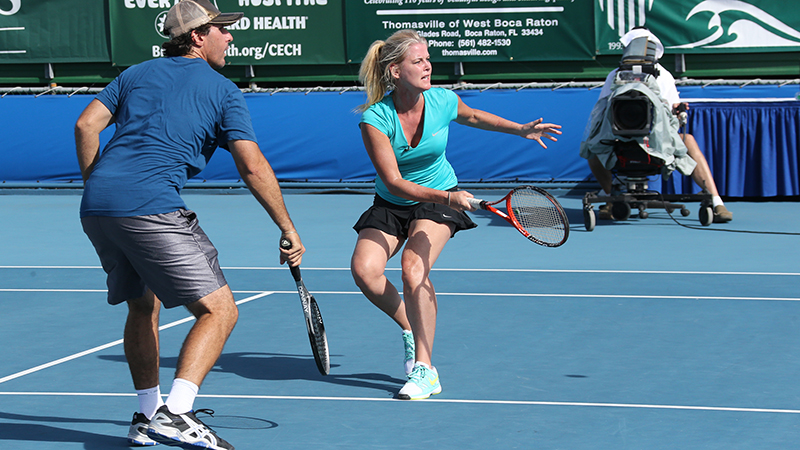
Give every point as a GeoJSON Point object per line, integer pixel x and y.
{"type": "Point", "coordinates": [170, 114]}
{"type": "Point", "coordinates": [425, 164]}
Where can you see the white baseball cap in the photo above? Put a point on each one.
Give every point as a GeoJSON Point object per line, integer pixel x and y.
{"type": "Point", "coordinates": [186, 15]}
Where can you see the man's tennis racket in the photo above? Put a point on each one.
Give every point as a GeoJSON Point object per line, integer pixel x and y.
{"type": "Point", "coordinates": [316, 329]}
{"type": "Point", "coordinates": [534, 213]}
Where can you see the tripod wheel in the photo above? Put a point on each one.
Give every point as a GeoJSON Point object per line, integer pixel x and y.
{"type": "Point", "coordinates": [706, 215]}
{"type": "Point", "coordinates": [621, 210]}
{"type": "Point", "coordinates": [589, 219]}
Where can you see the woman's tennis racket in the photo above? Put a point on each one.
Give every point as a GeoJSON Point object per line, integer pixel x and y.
{"type": "Point", "coordinates": [534, 212]}
{"type": "Point", "coordinates": [316, 329]}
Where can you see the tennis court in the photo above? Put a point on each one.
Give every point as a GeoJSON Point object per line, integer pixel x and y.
{"type": "Point", "coordinates": [640, 334]}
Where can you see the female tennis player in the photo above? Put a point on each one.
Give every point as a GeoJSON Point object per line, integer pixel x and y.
{"type": "Point", "coordinates": [404, 126]}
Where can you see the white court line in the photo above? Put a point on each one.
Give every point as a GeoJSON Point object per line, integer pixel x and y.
{"type": "Point", "coordinates": [111, 344]}
{"type": "Point", "coordinates": [436, 269]}
{"type": "Point", "coordinates": [492, 294]}
{"type": "Point", "coordinates": [601, 296]}
{"type": "Point", "coordinates": [588, 296]}
{"type": "Point", "coordinates": [259, 294]}
{"type": "Point", "coordinates": [617, 296]}
{"type": "Point", "coordinates": [634, 272]}
{"type": "Point", "coordinates": [436, 400]}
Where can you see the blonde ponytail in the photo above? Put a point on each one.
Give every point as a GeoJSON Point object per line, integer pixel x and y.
{"type": "Point", "coordinates": [371, 76]}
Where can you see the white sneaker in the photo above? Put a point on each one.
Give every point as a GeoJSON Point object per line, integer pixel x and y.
{"type": "Point", "coordinates": [422, 383]}
{"type": "Point", "coordinates": [137, 434]}
{"type": "Point", "coordinates": [184, 430]}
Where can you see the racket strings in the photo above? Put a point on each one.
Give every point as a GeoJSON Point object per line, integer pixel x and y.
{"type": "Point", "coordinates": [537, 215]}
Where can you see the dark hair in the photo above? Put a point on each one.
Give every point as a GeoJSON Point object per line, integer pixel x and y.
{"type": "Point", "coordinates": [182, 45]}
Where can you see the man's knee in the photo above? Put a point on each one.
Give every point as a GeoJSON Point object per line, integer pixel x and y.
{"type": "Point", "coordinates": [219, 303]}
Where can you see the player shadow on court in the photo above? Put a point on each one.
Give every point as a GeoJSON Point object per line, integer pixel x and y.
{"type": "Point", "coordinates": [38, 432]}
{"type": "Point", "coordinates": [574, 216]}
{"type": "Point", "coordinates": [286, 367]}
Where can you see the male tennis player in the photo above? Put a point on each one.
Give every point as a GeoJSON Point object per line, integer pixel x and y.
{"type": "Point", "coordinates": [170, 115]}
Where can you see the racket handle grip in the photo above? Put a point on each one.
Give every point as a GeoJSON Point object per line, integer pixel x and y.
{"type": "Point", "coordinates": [476, 203]}
{"type": "Point", "coordinates": [286, 245]}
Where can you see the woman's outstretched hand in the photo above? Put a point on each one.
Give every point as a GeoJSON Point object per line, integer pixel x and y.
{"type": "Point", "coordinates": [536, 130]}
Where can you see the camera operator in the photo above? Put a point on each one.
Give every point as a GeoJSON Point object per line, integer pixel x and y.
{"type": "Point", "coordinates": [668, 92]}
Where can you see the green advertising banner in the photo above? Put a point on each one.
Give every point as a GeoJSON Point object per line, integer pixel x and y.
{"type": "Point", "coordinates": [336, 32]}
{"type": "Point", "coordinates": [47, 31]}
{"type": "Point", "coordinates": [701, 26]}
{"type": "Point", "coordinates": [272, 32]}
{"type": "Point", "coordinates": [477, 30]}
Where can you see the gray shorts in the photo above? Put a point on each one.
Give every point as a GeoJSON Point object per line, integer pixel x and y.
{"type": "Point", "coordinates": [167, 253]}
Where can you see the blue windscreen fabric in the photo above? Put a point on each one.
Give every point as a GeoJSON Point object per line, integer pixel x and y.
{"type": "Point", "coordinates": [752, 146]}
{"type": "Point", "coordinates": [38, 141]}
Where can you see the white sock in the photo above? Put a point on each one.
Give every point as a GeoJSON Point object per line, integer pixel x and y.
{"type": "Point", "coordinates": [716, 201]}
{"type": "Point", "coordinates": [181, 396]}
{"type": "Point", "coordinates": [149, 401]}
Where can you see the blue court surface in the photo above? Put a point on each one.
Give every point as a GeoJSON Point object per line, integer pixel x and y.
{"type": "Point", "coordinates": [641, 334]}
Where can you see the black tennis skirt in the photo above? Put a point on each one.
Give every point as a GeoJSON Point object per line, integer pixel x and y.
{"type": "Point", "coordinates": [396, 219]}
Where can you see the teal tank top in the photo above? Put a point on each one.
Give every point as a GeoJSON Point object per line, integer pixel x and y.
{"type": "Point", "coordinates": [426, 164]}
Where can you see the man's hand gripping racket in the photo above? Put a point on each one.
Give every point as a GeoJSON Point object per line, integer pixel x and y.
{"type": "Point", "coordinates": [316, 329]}
{"type": "Point", "coordinates": [533, 212]}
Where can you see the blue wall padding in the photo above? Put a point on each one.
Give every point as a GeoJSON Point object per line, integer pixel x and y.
{"type": "Point", "coordinates": [314, 136]}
